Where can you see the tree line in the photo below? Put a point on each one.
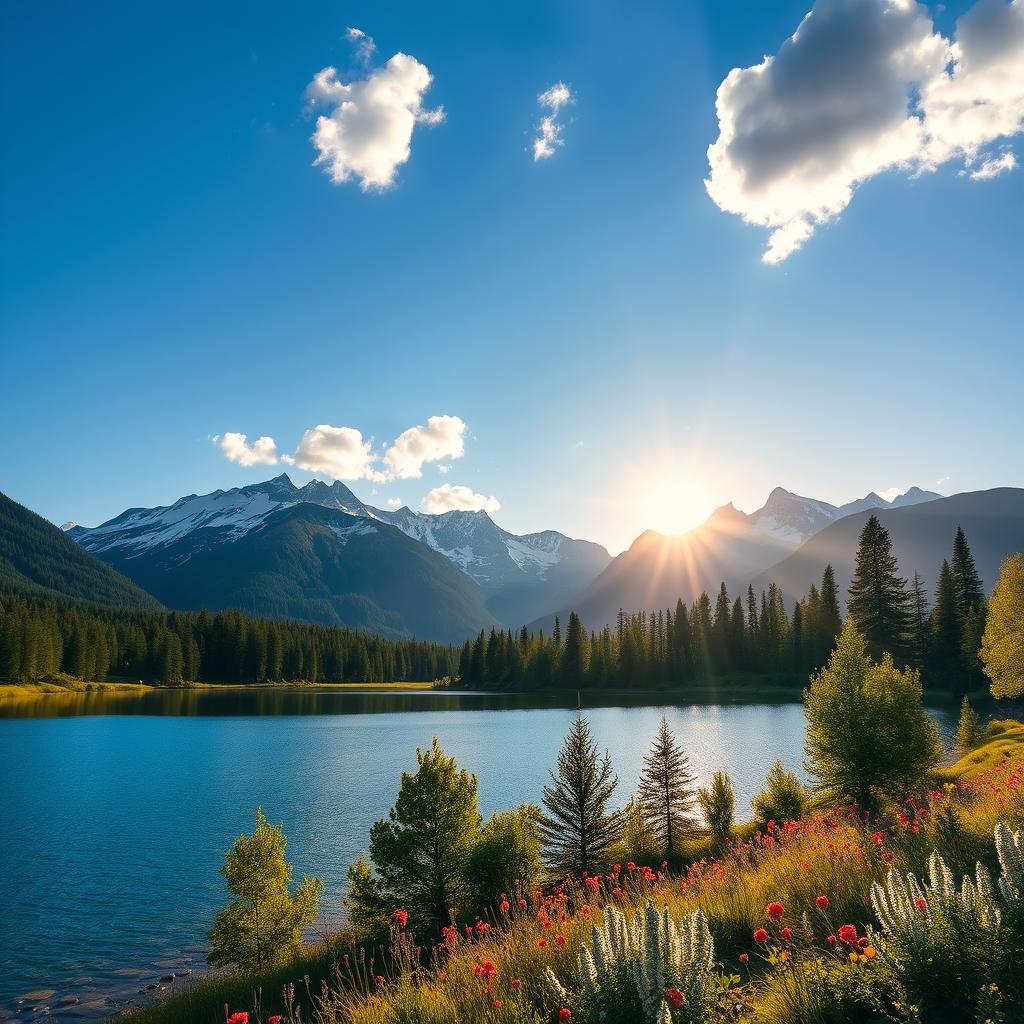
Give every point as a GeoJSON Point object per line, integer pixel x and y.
{"type": "Point", "coordinates": [41, 638]}
{"type": "Point", "coordinates": [712, 639]}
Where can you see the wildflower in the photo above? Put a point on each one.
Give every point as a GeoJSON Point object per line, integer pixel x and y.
{"type": "Point", "coordinates": [564, 1014]}
{"type": "Point", "coordinates": [784, 955]}
{"type": "Point", "coordinates": [848, 934]}
{"type": "Point", "coordinates": [522, 902]}
{"type": "Point", "coordinates": [878, 838]}
{"type": "Point", "coordinates": [822, 902]}
{"type": "Point", "coordinates": [760, 935]}
{"type": "Point", "coordinates": [853, 957]}
{"type": "Point", "coordinates": [516, 983]}
{"type": "Point", "coordinates": [238, 1018]}
{"type": "Point", "coordinates": [616, 868]}
{"type": "Point", "coordinates": [379, 980]}
{"type": "Point", "coordinates": [831, 940]}
{"type": "Point", "coordinates": [469, 930]}
{"type": "Point", "coordinates": [542, 943]}
{"type": "Point", "coordinates": [787, 933]}
{"type": "Point", "coordinates": [486, 969]}
{"type": "Point", "coordinates": [776, 910]}
{"type": "Point", "coordinates": [504, 906]}
{"type": "Point", "coordinates": [616, 891]}
{"type": "Point", "coordinates": [560, 939]}
{"type": "Point", "coordinates": [497, 1004]}
{"type": "Point", "coordinates": [744, 958]}
{"type": "Point", "coordinates": [674, 997]}
{"type": "Point", "coordinates": [870, 953]}
{"type": "Point", "coordinates": [631, 866]}
{"type": "Point", "coordinates": [276, 1019]}
{"type": "Point", "coordinates": [920, 903]}
{"type": "Point", "coordinates": [401, 917]}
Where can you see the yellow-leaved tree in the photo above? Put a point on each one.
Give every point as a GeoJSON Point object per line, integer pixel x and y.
{"type": "Point", "coordinates": [1002, 646]}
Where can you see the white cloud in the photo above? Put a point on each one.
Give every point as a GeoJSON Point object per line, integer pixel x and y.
{"type": "Point", "coordinates": [449, 497]}
{"type": "Point", "coordinates": [994, 166]}
{"type": "Point", "coordinates": [339, 452]}
{"type": "Point", "coordinates": [366, 132]}
{"type": "Point", "coordinates": [862, 87]}
{"type": "Point", "coordinates": [237, 449]}
{"type": "Point", "coordinates": [549, 130]}
{"type": "Point", "coordinates": [362, 44]}
{"type": "Point", "coordinates": [441, 438]}
{"type": "Point", "coordinates": [394, 503]}
{"type": "Point", "coordinates": [443, 467]}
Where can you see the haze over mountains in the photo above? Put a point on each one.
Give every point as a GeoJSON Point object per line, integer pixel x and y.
{"type": "Point", "coordinates": [319, 553]}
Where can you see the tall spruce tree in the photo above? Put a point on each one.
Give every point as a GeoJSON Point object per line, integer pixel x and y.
{"type": "Point", "coordinates": [944, 643]}
{"type": "Point", "coordinates": [878, 598]}
{"type": "Point", "coordinates": [969, 589]}
{"type": "Point", "coordinates": [920, 623]}
{"type": "Point", "coordinates": [666, 790]}
{"type": "Point", "coordinates": [831, 620]}
{"type": "Point", "coordinates": [574, 653]}
{"type": "Point", "coordinates": [578, 830]}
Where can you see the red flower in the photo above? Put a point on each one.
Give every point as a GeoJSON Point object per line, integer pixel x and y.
{"type": "Point", "coordinates": [616, 868]}
{"type": "Point", "coordinates": [631, 866]}
{"type": "Point", "coordinates": [564, 1014]}
{"type": "Point", "coordinates": [503, 906]}
{"type": "Point", "coordinates": [379, 979]}
{"type": "Point", "coordinates": [560, 939]}
{"type": "Point", "coordinates": [485, 970]}
{"type": "Point", "coordinates": [787, 933]}
{"type": "Point", "coordinates": [401, 917]}
{"type": "Point", "coordinates": [848, 934]}
{"type": "Point", "coordinates": [522, 902]}
{"type": "Point", "coordinates": [744, 958]}
{"type": "Point", "coordinates": [516, 983]}
{"type": "Point", "coordinates": [497, 1004]}
{"type": "Point", "coordinates": [674, 997]}
{"type": "Point", "coordinates": [822, 901]}
{"type": "Point", "coordinates": [276, 1019]}
{"type": "Point", "coordinates": [241, 1017]}
{"type": "Point", "coordinates": [542, 943]}
{"type": "Point", "coordinates": [831, 940]}
{"type": "Point", "coordinates": [760, 935]}
{"type": "Point", "coordinates": [776, 910]}
{"type": "Point", "coordinates": [920, 903]}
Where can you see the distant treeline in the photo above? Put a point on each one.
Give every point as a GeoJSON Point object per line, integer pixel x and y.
{"type": "Point", "coordinates": [39, 638]}
{"type": "Point", "coordinates": [711, 639]}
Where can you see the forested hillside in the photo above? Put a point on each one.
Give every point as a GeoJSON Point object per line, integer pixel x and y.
{"type": "Point", "coordinates": [37, 559]}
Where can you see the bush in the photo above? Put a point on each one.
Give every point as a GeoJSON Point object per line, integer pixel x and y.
{"type": "Point", "coordinates": [637, 841]}
{"type": "Point", "coordinates": [506, 856]}
{"type": "Point", "coordinates": [718, 802]}
{"type": "Point", "coordinates": [783, 798]}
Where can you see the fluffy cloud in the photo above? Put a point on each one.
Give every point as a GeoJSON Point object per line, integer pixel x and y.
{"type": "Point", "coordinates": [449, 497]}
{"type": "Point", "coordinates": [441, 438]}
{"type": "Point", "coordinates": [363, 44]}
{"type": "Point", "coordinates": [366, 132]}
{"type": "Point", "coordinates": [394, 502]}
{"type": "Point", "coordinates": [339, 452]}
{"type": "Point", "coordinates": [549, 131]}
{"type": "Point", "coordinates": [993, 166]}
{"type": "Point", "coordinates": [237, 449]}
{"type": "Point", "coordinates": [861, 87]}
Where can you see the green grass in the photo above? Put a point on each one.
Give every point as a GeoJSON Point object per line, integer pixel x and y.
{"type": "Point", "coordinates": [1005, 739]}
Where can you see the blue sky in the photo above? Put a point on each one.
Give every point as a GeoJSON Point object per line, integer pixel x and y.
{"type": "Point", "coordinates": [175, 268]}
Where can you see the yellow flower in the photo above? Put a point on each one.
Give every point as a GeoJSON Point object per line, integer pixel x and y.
{"type": "Point", "coordinates": [853, 957]}
{"type": "Point", "coordinates": [784, 955]}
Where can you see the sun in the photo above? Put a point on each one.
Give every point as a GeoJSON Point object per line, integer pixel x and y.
{"type": "Point", "coordinates": [673, 503]}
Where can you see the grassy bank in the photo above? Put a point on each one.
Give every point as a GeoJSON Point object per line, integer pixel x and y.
{"type": "Point", "coordinates": [62, 685]}
{"type": "Point", "coordinates": [497, 972]}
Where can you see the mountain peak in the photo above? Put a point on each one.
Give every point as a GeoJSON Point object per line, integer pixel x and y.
{"type": "Point", "coordinates": [727, 513]}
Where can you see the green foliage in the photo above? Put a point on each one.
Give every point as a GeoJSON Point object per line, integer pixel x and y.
{"type": "Point", "coordinates": [42, 637]}
{"type": "Point", "coordinates": [878, 598]}
{"type": "Point", "coordinates": [422, 849]}
{"type": "Point", "coordinates": [1002, 647]}
{"type": "Point", "coordinates": [969, 732]}
{"type": "Point", "coordinates": [578, 829]}
{"type": "Point", "coordinates": [718, 802]}
{"type": "Point", "coordinates": [666, 791]}
{"type": "Point", "coordinates": [637, 841]}
{"type": "Point", "coordinates": [783, 798]}
{"type": "Point", "coordinates": [944, 647]}
{"type": "Point", "coordinates": [369, 912]}
{"type": "Point", "coordinates": [506, 856]}
{"type": "Point", "coordinates": [263, 926]}
{"type": "Point", "coordinates": [868, 735]}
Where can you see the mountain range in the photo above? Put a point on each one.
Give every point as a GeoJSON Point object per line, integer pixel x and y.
{"type": "Point", "coordinates": [318, 552]}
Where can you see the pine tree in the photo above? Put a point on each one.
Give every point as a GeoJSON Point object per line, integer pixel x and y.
{"type": "Point", "coordinates": [831, 620]}
{"type": "Point", "coordinates": [920, 624]}
{"type": "Point", "coordinates": [574, 654]}
{"type": "Point", "coordinates": [878, 599]}
{"type": "Point", "coordinates": [944, 643]}
{"type": "Point", "coordinates": [718, 802]}
{"type": "Point", "coordinates": [578, 829]}
{"type": "Point", "coordinates": [969, 731]}
{"type": "Point", "coordinates": [666, 790]}
{"type": "Point", "coordinates": [969, 589]}
{"type": "Point", "coordinates": [263, 925]}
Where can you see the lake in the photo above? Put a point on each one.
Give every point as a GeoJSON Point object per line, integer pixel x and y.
{"type": "Point", "coordinates": [116, 811]}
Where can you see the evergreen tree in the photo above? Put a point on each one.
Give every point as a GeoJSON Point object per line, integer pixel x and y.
{"type": "Point", "coordinates": [578, 829]}
{"type": "Point", "coordinates": [263, 926]}
{"type": "Point", "coordinates": [574, 654]}
{"type": "Point", "coordinates": [969, 590]}
{"type": "Point", "coordinates": [783, 798]}
{"type": "Point", "coordinates": [878, 599]}
{"type": "Point", "coordinates": [421, 850]}
{"type": "Point", "coordinates": [969, 731]}
{"type": "Point", "coordinates": [868, 735]}
{"type": "Point", "coordinates": [920, 624]}
{"type": "Point", "coordinates": [831, 621]}
{"type": "Point", "coordinates": [666, 790]}
{"type": "Point", "coordinates": [944, 643]}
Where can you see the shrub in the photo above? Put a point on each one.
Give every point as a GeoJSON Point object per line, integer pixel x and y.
{"type": "Point", "coordinates": [506, 856]}
{"type": "Point", "coordinates": [783, 798]}
{"type": "Point", "coordinates": [718, 802]}
{"type": "Point", "coordinates": [637, 841]}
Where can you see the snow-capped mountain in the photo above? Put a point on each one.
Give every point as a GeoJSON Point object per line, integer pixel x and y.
{"type": "Point", "coordinates": [520, 577]}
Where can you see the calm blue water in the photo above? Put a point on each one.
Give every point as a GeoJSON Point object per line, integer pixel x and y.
{"type": "Point", "coordinates": [116, 812]}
